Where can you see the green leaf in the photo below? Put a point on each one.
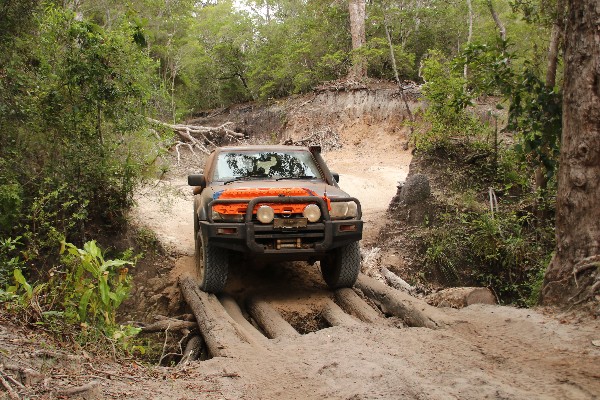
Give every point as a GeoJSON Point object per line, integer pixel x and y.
{"type": "Point", "coordinates": [83, 304]}
{"type": "Point", "coordinates": [21, 280]}
{"type": "Point", "coordinates": [104, 290]}
{"type": "Point", "coordinates": [115, 263]}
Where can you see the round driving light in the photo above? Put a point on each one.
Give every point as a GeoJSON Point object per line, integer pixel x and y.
{"type": "Point", "coordinates": [312, 213]}
{"type": "Point", "coordinates": [265, 214]}
{"type": "Point", "coordinates": [352, 209]}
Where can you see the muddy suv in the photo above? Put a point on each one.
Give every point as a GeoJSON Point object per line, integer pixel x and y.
{"type": "Point", "coordinates": [275, 202]}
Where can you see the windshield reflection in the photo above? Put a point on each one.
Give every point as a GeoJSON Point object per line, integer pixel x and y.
{"type": "Point", "coordinates": [272, 164]}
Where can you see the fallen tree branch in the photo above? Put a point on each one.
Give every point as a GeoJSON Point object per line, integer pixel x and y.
{"type": "Point", "coordinates": [396, 282]}
{"type": "Point", "coordinates": [89, 387]}
{"type": "Point", "coordinates": [11, 392]}
{"type": "Point", "coordinates": [169, 324]}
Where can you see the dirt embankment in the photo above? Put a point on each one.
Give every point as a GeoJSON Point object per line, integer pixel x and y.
{"type": "Point", "coordinates": [482, 352]}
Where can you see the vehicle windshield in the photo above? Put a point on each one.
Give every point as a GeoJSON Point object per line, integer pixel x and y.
{"type": "Point", "coordinates": [244, 164]}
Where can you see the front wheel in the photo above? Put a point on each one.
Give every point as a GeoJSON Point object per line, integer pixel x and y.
{"type": "Point", "coordinates": [341, 268]}
{"type": "Point", "coordinates": [212, 264]}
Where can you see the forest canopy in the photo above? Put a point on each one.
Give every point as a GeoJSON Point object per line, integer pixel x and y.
{"type": "Point", "coordinates": [79, 80]}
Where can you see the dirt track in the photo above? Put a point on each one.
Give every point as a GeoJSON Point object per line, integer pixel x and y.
{"type": "Point", "coordinates": [485, 352]}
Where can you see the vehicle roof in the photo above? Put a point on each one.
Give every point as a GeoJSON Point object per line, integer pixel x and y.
{"type": "Point", "coordinates": [254, 147]}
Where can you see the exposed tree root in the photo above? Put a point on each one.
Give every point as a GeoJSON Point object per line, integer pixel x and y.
{"type": "Point", "coordinates": [585, 265]}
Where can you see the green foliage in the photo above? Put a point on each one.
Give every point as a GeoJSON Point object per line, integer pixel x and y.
{"type": "Point", "coordinates": [503, 252]}
{"type": "Point", "coordinates": [10, 205]}
{"type": "Point", "coordinates": [446, 116]}
{"type": "Point", "coordinates": [85, 295]}
{"type": "Point", "coordinates": [10, 259]}
{"type": "Point", "coordinates": [535, 111]}
{"type": "Point", "coordinates": [73, 99]}
{"type": "Point", "coordinates": [99, 286]}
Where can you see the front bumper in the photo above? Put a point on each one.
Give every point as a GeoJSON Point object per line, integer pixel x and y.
{"type": "Point", "coordinates": [253, 237]}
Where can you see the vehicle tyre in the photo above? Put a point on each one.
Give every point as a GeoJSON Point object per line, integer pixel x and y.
{"type": "Point", "coordinates": [212, 264]}
{"type": "Point", "coordinates": [196, 222]}
{"type": "Point", "coordinates": [342, 267]}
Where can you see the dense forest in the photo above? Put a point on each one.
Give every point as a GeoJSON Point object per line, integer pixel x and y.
{"type": "Point", "coordinates": [80, 79]}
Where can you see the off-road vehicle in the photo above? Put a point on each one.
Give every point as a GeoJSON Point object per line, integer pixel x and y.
{"type": "Point", "coordinates": [273, 202]}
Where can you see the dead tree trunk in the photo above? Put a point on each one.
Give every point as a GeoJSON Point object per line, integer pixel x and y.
{"type": "Point", "coordinates": [220, 336]}
{"type": "Point", "coordinates": [354, 305]}
{"type": "Point", "coordinates": [412, 311]}
{"type": "Point", "coordinates": [335, 316]}
{"type": "Point", "coordinates": [270, 320]}
{"type": "Point", "coordinates": [574, 272]}
{"type": "Point", "coordinates": [233, 309]}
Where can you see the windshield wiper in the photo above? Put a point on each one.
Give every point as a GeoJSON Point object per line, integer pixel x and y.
{"type": "Point", "coordinates": [296, 177]}
{"type": "Point", "coordinates": [246, 178]}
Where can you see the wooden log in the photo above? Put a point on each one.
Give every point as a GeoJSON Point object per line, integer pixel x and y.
{"type": "Point", "coordinates": [413, 311]}
{"type": "Point", "coordinates": [395, 281]}
{"type": "Point", "coordinates": [350, 302]}
{"type": "Point", "coordinates": [270, 320]}
{"type": "Point", "coordinates": [195, 349]}
{"type": "Point", "coordinates": [459, 297]}
{"type": "Point", "coordinates": [252, 334]}
{"type": "Point", "coordinates": [170, 324]}
{"type": "Point", "coordinates": [183, 317]}
{"type": "Point", "coordinates": [335, 316]}
{"type": "Point", "coordinates": [219, 334]}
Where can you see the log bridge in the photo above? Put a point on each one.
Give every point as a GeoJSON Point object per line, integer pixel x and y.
{"type": "Point", "coordinates": [226, 331]}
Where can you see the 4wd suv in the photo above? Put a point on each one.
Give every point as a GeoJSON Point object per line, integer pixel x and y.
{"type": "Point", "coordinates": [276, 202]}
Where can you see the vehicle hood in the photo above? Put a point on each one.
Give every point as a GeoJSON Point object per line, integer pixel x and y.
{"type": "Point", "coordinates": [320, 188]}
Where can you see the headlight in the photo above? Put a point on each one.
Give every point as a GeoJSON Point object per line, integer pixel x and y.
{"type": "Point", "coordinates": [265, 214]}
{"type": "Point", "coordinates": [217, 216]}
{"type": "Point", "coordinates": [343, 209]}
{"type": "Point", "coordinates": [312, 213]}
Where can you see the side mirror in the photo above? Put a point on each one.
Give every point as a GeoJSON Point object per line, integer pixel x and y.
{"type": "Point", "coordinates": [336, 176]}
{"type": "Point", "coordinates": [197, 180]}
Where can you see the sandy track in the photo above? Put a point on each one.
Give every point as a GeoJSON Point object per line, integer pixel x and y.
{"type": "Point", "coordinates": [488, 352]}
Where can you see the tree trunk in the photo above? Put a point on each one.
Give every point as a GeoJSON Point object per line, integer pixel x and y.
{"type": "Point", "coordinates": [578, 197]}
{"type": "Point", "coordinates": [557, 30]}
{"type": "Point", "coordinates": [497, 20]}
{"type": "Point", "coordinates": [357, 9]}
{"type": "Point", "coordinates": [470, 7]}
{"type": "Point", "coordinates": [394, 66]}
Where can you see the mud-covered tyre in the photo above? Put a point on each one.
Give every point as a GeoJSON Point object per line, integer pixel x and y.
{"type": "Point", "coordinates": [196, 222]}
{"type": "Point", "coordinates": [212, 264]}
{"type": "Point", "coordinates": [342, 267]}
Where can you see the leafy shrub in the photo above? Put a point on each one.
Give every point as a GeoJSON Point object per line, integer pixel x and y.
{"type": "Point", "coordinates": [10, 259]}
{"type": "Point", "coordinates": [503, 252]}
{"type": "Point", "coordinates": [10, 205]}
{"type": "Point", "coordinates": [82, 294]}
{"type": "Point", "coordinates": [446, 116]}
